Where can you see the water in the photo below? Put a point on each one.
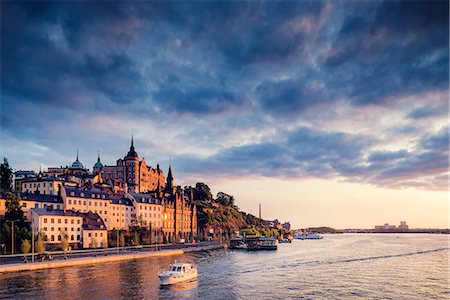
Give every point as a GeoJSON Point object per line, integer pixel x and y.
{"type": "Point", "coordinates": [349, 266]}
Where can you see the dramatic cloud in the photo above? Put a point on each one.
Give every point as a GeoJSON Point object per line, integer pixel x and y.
{"type": "Point", "coordinates": [355, 91]}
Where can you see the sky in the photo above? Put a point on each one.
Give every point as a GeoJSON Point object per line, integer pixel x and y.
{"type": "Point", "coordinates": [326, 112]}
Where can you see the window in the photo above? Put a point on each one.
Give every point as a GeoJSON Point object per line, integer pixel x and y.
{"type": "Point", "coordinates": [72, 194]}
{"type": "Point", "coordinates": [96, 234]}
{"type": "Point", "coordinates": [79, 202]}
{"type": "Point", "coordinates": [90, 203]}
{"type": "Point", "coordinates": [45, 220]}
{"type": "Point", "coordinates": [71, 237]}
{"type": "Point", "coordinates": [78, 221]}
{"type": "Point", "coordinates": [89, 234]}
{"type": "Point", "coordinates": [59, 221]}
{"type": "Point", "coordinates": [52, 238]}
{"type": "Point", "coordinates": [59, 228]}
{"type": "Point", "coordinates": [100, 204]}
{"type": "Point", "coordinates": [78, 237]}
{"type": "Point", "coordinates": [59, 237]}
{"type": "Point", "coordinates": [45, 228]}
{"type": "Point", "coordinates": [66, 221]}
{"type": "Point", "coordinates": [101, 234]}
{"type": "Point", "coordinates": [52, 220]}
{"type": "Point", "coordinates": [51, 192]}
{"type": "Point", "coordinates": [45, 205]}
{"type": "Point", "coordinates": [36, 205]}
{"type": "Point", "coordinates": [72, 221]}
{"type": "Point", "coordinates": [82, 194]}
{"type": "Point", "coordinates": [70, 201]}
{"type": "Point", "coordinates": [84, 202]}
{"type": "Point", "coordinates": [51, 184]}
{"type": "Point", "coordinates": [95, 203]}
{"type": "Point", "coordinates": [53, 228]}
{"type": "Point", "coordinates": [24, 205]}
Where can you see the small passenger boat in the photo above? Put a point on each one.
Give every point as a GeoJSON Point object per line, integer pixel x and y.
{"type": "Point", "coordinates": [178, 272]}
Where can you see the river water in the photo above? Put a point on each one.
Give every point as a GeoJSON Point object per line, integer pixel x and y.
{"type": "Point", "coordinates": [346, 266]}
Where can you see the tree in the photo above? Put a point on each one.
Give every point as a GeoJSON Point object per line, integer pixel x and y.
{"type": "Point", "coordinates": [13, 208]}
{"type": "Point", "coordinates": [225, 199]}
{"type": "Point", "coordinates": [26, 246]}
{"type": "Point", "coordinates": [40, 243]}
{"type": "Point", "coordinates": [122, 240]}
{"type": "Point", "coordinates": [202, 192]}
{"type": "Point", "coordinates": [136, 239]}
{"type": "Point", "coordinates": [64, 242]}
{"type": "Point", "coordinates": [6, 175]}
{"type": "Point", "coordinates": [94, 243]}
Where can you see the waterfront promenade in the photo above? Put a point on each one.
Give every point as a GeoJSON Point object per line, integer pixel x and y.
{"type": "Point", "coordinates": [78, 258]}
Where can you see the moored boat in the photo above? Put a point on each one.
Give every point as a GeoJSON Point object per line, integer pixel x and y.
{"type": "Point", "coordinates": [308, 236]}
{"type": "Point", "coordinates": [262, 243]}
{"type": "Point", "coordinates": [178, 272]}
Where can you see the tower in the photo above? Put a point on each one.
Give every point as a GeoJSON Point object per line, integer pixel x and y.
{"type": "Point", "coordinates": [169, 182]}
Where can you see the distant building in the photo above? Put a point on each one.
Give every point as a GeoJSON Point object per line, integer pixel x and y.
{"type": "Point", "coordinates": [131, 172]}
{"type": "Point", "coordinates": [286, 226]}
{"type": "Point", "coordinates": [403, 225]}
{"type": "Point", "coordinates": [385, 227]}
{"type": "Point", "coordinates": [20, 176]}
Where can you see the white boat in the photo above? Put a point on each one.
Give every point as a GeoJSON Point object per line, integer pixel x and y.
{"type": "Point", "coordinates": [307, 236]}
{"type": "Point", "coordinates": [178, 272]}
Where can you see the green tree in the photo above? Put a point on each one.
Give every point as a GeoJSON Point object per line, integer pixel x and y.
{"type": "Point", "coordinates": [202, 192]}
{"type": "Point", "coordinates": [6, 175]}
{"type": "Point", "coordinates": [122, 240]}
{"type": "Point", "coordinates": [13, 208]}
{"type": "Point", "coordinates": [26, 246]}
{"type": "Point", "coordinates": [225, 199]}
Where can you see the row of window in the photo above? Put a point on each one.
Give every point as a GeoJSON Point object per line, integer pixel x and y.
{"type": "Point", "coordinates": [33, 185]}
{"type": "Point", "coordinates": [150, 215]}
{"type": "Point", "coordinates": [59, 229]}
{"type": "Point", "coordinates": [145, 208]}
{"type": "Point", "coordinates": [90, 202]}
{"type": "Point", "coordinates": [52, 220]}
{"type": "Point", "coordinates": [72, 238]}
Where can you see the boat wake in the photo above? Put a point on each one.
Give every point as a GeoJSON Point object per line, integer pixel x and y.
{"type": "Point", "coordinates": [377, 257]}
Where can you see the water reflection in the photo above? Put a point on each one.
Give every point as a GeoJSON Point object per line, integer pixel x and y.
{"type": "Point", "coordinates": [180, 290]}
{"type": "Point", "coordinates": [366, 266]}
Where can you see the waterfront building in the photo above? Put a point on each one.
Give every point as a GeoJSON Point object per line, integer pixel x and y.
{"type": "Point", "coordinates": [94, 231]}
{"type": "Point", "coordinates": [53, 223]}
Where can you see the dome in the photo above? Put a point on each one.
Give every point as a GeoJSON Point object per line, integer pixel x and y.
{"type": "Point", "coordinates": [98, 165]}
{"type": "Point", "coordinates": [77, 164]}
{"type": "Point", "coordinates": [132, 153]}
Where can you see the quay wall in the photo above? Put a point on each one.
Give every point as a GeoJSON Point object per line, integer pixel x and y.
{"type": "Point", "coordinates": [100, 259]}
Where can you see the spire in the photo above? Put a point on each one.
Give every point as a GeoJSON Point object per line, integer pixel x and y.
{"type": "Point", "coordinates": [98, 157]}
{"type": "Point", "coordinates": [132, 144]}
{"type": "Point", "coordinates": [77, 155]}
{"type": "Point", "coordinates": [169, 183]}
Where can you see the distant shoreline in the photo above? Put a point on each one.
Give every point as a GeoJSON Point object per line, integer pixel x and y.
{"type": "Point", "coordinates": [437, 231]}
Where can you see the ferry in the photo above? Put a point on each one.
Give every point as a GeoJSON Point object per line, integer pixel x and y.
{"type": "Point", "coordinates": [178, 272]}
{"type": "Point", "coordinates": [261, 243]}
{"type": "Point", "coordinates": [238, 243]}
{"type": "Point", "coordinates": [307, 236]}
